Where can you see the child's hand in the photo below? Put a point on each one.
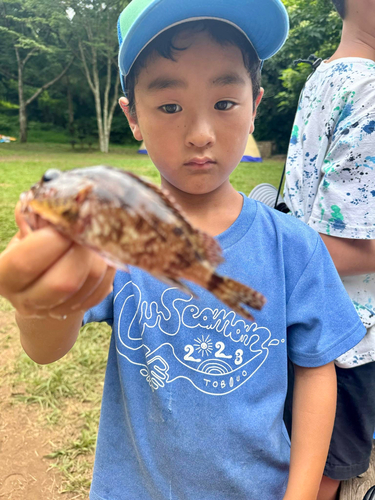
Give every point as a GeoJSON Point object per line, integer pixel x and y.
{"type": "Point", "coordinates": [44, 274]}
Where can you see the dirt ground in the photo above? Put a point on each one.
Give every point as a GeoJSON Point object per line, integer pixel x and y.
{"type": "Point", "coordinates": [25, 472]}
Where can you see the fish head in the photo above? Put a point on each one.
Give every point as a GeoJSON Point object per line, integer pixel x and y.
{"type": "Point", "coordinates": [56, 199]}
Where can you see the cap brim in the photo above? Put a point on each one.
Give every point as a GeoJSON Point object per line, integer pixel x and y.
{"type": "Point", "coordinates": [264, 22]}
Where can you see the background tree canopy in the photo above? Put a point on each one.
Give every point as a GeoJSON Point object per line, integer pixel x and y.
{"type": "Point", "coordinates": [58, 69]}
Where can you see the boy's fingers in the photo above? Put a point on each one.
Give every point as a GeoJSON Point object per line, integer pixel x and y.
{"type": "Point", "coordinates": [25, 229]}
{"type": "Point", "coordinates": [93, 281]}
{"type": "Point", "coordinates": [28, 258]}
{"type": "Point", "coordinates": [105, 288]}
{"type": "Point", "coordinates": [60, 282]}
{"type": "Point", "coordinates": [100, 292]}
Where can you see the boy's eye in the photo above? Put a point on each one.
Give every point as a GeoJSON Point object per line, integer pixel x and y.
{"type": "Point", "coordinates": [224, 105]}
{"type": "Point", "coordinates": [171, 108]}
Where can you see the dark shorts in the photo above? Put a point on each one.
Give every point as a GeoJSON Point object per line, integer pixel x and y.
{"type": "Point", "coordinates": [352, 438]}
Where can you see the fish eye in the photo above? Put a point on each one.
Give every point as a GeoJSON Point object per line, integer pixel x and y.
{"type": "Point", "coordinates": [50, 175]}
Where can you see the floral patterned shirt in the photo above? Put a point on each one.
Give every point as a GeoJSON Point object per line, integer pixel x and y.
{"type": "Point", "coordinates": [330, 172]}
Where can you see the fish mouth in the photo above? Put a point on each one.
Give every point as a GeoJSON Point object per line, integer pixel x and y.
{"type": "Point", "coordinates": [41, 208]}
{"type": "Point", "coordinates": [32, 217]}
{"type": "Point", "coordinates": [36, 213]}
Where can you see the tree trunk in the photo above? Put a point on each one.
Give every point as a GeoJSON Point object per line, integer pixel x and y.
{"type": "Point", "coordinates": [22, 103]}
{"type": "Point", "coordinates": [21, 100]}
{"type": "Point", "coordinates": [109, 113]}
{"type": "Point", "coordinates": [104, 115]}
{"type": "Point", "coordinates": [70, 109]}
{"type": "Point", "coordinates": [23, 121]}
{"type": "Point", "coordinates": [98, 107]}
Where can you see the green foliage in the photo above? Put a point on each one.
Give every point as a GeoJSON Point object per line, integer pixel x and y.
{"type": "Point", "coordinates": [293, 81]}
{"type": "Point", "coordinates": [46, 26]}
{"type": "Point", "coordinates": [120, 132]}
{"type": "Point", "coordinates": [4, 105]}
{"type": "Point", "coordinates": [34, 24]}
{"type": "Point", "coordinates": [315, 28]}
{"type": "Point", "coordinates": [8, 124]}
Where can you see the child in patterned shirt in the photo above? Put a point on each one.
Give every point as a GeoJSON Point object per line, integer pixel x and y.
{"type": "Point", "coordinates": [330, 185]}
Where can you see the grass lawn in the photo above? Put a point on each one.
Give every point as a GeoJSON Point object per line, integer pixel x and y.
{"type": "Point", "coordinates": [69, 391]}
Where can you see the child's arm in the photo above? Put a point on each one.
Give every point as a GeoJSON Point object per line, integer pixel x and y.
{"type": "Point", "coordinates": [44, 274]}
{"type": "Point", "coordinates": [47, 340]}
{"type": "Point", "coordinates": [351, 256]}
{"type": "Point", "coordinates": [314, 407]}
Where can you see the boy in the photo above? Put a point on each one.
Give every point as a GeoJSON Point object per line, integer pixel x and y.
{"type": "Point", "coordinates": [194, 395]}
{"type": "Point", "coordinates": [330, 185]}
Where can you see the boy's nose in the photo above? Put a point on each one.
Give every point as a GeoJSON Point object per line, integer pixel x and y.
{"type": "Point", "coordinates": [200, 134]}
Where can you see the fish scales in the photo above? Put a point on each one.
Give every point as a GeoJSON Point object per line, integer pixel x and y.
{"type": "Point", "coordinates": [130, 221]}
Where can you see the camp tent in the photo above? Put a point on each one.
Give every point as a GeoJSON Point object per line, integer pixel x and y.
{"type": "Point", "coordinates": [142, 150]}
{"type": "Point", "coordinates": [251, 152]}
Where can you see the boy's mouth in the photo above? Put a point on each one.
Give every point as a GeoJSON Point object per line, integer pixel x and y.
{"type": "Point", "coordinates": [200, 162]}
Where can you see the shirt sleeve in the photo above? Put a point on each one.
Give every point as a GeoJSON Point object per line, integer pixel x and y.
{"type": "Point", "coordinates": [102, 312]}
{"type": "Point", "coordinates": [322, 322]}
{"type": "Point", "coordinates": [344, 205]}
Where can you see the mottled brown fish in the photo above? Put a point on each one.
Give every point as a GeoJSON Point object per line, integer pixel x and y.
{"type": "Point", "coordinates": [130, 221]}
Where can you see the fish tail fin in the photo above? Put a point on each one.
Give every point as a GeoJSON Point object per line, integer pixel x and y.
{"type": "Point", "coordinates": [176, 282]}
{"type": "Point", "coordinates": [233, 294]}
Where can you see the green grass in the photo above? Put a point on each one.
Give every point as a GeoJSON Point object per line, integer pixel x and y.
{"type": "Point", "coordinates": [69, 391]}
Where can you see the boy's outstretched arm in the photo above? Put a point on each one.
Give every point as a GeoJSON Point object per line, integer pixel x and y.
{"type": "Point", "coordinates": [314, 408]}
{"type": "Point", "coordinates": [351, 257]}
{"type": "Point", "coordinates": [46, 276]}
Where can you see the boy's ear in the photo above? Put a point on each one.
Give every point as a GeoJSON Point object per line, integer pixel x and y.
{"type": "Point", "coordinates": [257, 102]}
{"type": "Point", "coordinates": [132, 119]}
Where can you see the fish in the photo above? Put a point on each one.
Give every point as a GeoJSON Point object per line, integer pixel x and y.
{"type": "Point", "coordinates": [130, 221]}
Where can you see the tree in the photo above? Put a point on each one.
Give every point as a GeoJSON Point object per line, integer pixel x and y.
{"type": "Point", "coordinates": [315, 28]}
{"type": "Point", "coordinates": [34, 28]}
{"type": "Point", "coordinates": [46, 38]}
{"type": "Point", "coordinates": [94, 23]}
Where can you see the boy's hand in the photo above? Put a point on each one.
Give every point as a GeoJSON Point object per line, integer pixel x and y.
{"type": "Point", "coordinates": [43, 274]}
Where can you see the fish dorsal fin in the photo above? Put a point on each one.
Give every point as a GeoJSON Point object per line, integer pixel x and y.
{"type": "Point", "coordinates": [166, 197]}
{"type": "Point", "coordinates": [212, 249]}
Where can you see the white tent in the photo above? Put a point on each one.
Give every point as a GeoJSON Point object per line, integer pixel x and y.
{"type": "Point", "coordinates": [251, 153]}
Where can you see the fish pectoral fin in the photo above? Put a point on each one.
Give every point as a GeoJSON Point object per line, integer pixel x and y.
{"type": "Point", "coordinates": [177, 283]}
{"type": "Point", "coordinates": [113, 262]}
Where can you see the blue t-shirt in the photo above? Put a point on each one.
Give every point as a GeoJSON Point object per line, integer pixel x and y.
{"type": "Point", "coordinates": [194, 394]}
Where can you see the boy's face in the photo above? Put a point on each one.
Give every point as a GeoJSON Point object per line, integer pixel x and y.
{"type": "Point", "coordinates": [195, 113]}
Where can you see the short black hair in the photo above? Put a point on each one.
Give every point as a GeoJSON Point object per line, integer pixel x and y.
{"type": "Point", "coordinates": [221, 32]}
{"type": "Point", "coordinates": [340, 7]}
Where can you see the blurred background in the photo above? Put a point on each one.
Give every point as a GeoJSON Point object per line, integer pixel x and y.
{"type": "Point", "coordinates": [58, 71]}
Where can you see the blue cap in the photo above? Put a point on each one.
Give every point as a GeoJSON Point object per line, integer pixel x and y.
{"type": "Point", "coordinates": [265, 23]}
